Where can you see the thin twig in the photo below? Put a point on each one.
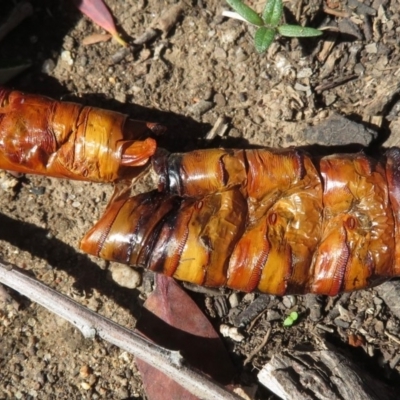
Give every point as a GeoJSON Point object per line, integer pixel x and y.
{"type": "Point", "coordinates": [336, 13]}
{"type": "Point", "coordinates": [259, 347]}
{"type": "Point", "coordinates": [92, 324]}
{"type": "Point", "coordinates": [337, 82]}
{"type": "Point", "coordinates": [394, 338]}
{"type": "Point", "coordinates": [299, 7]}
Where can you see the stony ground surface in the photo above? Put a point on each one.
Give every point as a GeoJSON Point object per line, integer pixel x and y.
{"type": "Point", "coordinates": [202, 70]}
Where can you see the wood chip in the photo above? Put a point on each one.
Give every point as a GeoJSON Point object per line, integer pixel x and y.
{"type": "Point", "coordinates": [96, 38]}
{"type": "Point", "coordinates": [327, 46]}
{"type": "Point", "coordinates": [219, 129]}
{"type": "Point", "coordinates": [303, 375]}
{"type": "Point", "coordinates": [336, 82]}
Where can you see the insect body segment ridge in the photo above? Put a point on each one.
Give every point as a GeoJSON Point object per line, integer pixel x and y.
{"type": "Point", "coordinates": [275, 221]}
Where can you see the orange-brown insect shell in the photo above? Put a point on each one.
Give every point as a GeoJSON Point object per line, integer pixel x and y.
{"type": "Point", "coordinates": [67, 140]}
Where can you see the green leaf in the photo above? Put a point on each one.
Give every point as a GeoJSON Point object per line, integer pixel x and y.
{"type": "Point", "coordinates": [298, 31]}
{"type": "Point", "coordinates": [246, 12]}
{"type": "Point", "coordinates": [263, 38]}
{"type": "Point", "coordinates": [294, 316]}
{"type": "Point", "coordinates": [288, 321]}
{"type": "Point", "coordinates": [272, 13]}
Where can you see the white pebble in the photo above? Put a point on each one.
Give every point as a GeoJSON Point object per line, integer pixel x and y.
{"type": "Point", "coordinates": [66, 56]}
{"type": "Point", "coordinates": [249, 297]}
{"type": "Point", "coordinates": [283, 65]}
{"type": "Point", "coordinates": [371, 48]}
{"type": "Point", "coordinates": [305, 73]}
{"type": "Point", "coordinates": [48, 66]}
{"type": "Point", "coordinates": [85, 385]}
{"type": "Point", "coordinates": [231, 332]}
{"type": "Point", "coordinates": [229, 36]}
{"type": "Point", "coordinates": [125, 276]}
{"type": "Point", "coordinates": [234, 300]}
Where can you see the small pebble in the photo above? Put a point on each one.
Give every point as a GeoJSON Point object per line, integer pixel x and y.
{"type": "Point", "coordinates": [301, 88]}
{"type": "Point", "coordinates": [125, 276]}
{"type": "Point", "coordinates": [379, 327]}
{"type": "Point", "coordinates": [7, 182]}
{"type": "Point", "coordinates": [273, 315]}
{"type": "Point", "coordinates": [82, 61]}
{"type": "Point", "coordinates": [305, 73]}
{"type": "Point", "coordinates": [120, 55]}
{"type": "Point", "coordinates": [258, 120]}
{"type": "Point", "coordinates": [66, 57]}
{"type": "Point", "coordinates": [48, 66]}
{"type": "Point", "coordinates": [84, 371]}
{"type": "Point", "coordinates": [20, 356]}
{"type": "Point", "coordinates": [150, 34]}
{"type": "Point", "coordinates": [235, 133]}
{"type": "Point", "coordinates": [315, 313]}
{"type": "Point", "coordinates": [169, 18]}
{"type": "Point", "coordinates": [219, 100]}
{"type": "Point", "coordinates": [377, 301]}
{"type": "Point", "coordinates": [371, 48]}
{"type": "Point", "coordinates": [200, 107]}
{"type": "Point", "coordinates": [92, 379]}
{"type": "Point", "coordinates": [283, 65]}
{"type": "Point", "coordinates": [229, 36]}
{"type": "Point", "coordinates": [37, 190]}
{"type": "Point", "coordinates": [330, 98]}
{"type": "Point", "coordinates": [249, 297]}
{"type": "Point", "coordinates": [219, 53]}
{"type": "Point", "coordinates": [347, 27]}
{"type": "Point", "coordinates": [121, 97]}
{"type": "Point", "coordinates": [240, 55]}
{"type": "Point", "coordinates": [207, 93]}
{"type": "Point", "coordinates": [231, 332]}
{"type": "Point", "coordinates": [85, 385]}
{"type": "Point", "coordinates": [233, 300]}
{"type": "Point", "coordinates": [40, 378]}
{"type": "Point", "coordinates": [341, 323]}
{"type": "Point", "coordinates": [211, 33]}
{"type": "Point", "coordinates": [324, 328]}
{"type": "Point", "coordinates": [289, 301]}
{"type": "Point", "coordinates": [69, 43]}
{"type": "Point", "coordinates": [359, 69]}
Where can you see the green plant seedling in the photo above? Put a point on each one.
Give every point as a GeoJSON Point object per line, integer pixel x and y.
{"type": "Point", "coordinates": [291, 319]}
{"type": "Point", "coordinates": [269, 23]}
